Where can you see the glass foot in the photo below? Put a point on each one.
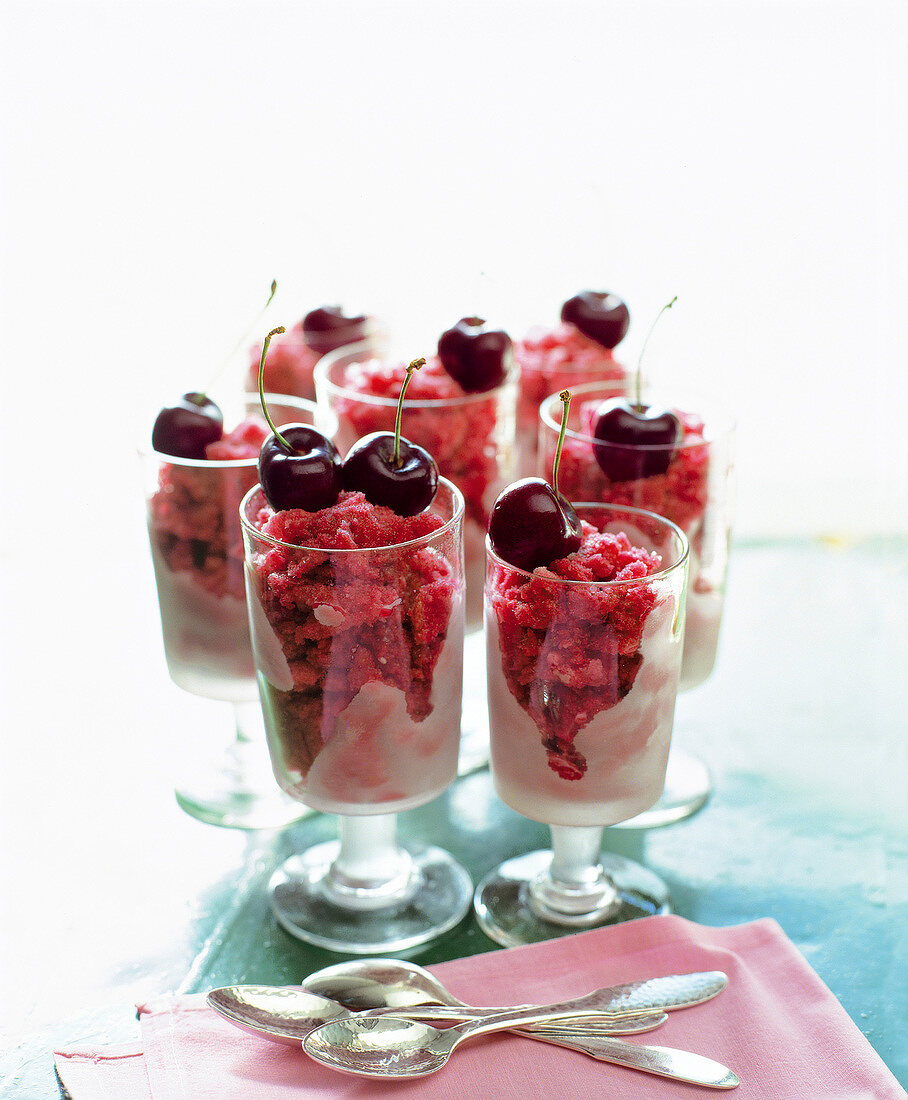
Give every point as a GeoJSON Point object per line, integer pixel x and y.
{"type": "Point", "coordinates": [429, 895]}
{"type": "Point", "coordinates": [474, 723]}
{"type": "Point", "coordinates": [507, 912]}
{"type": "Point", "coordinates": [688, 786]}
{"type": "Point", "coordinates": [239, 791]}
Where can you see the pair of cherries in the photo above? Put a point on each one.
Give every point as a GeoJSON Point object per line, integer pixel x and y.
{"type": "Point", "coordinates": [299, 467]}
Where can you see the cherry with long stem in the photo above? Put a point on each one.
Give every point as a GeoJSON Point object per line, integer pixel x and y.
{"type": "Point", "coordinates": [632, 439]}
{"type": "Point", "coordinates": [299, 467]}
{"type": "Point", "coordinates": [390, 470]}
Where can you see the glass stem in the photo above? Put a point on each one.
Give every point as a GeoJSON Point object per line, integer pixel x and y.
{"type": "Point", "coordinates": [575, 854]}
{"type": "Point", "coordinates": [574, 888]}
{"type": "Point", "coordinates": [371, 869]}
{"type": "Point", "coordinates": [250, 725]}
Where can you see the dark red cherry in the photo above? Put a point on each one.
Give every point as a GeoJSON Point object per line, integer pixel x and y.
{"type": "Point", "coordinates": [531, 525]}
{"type": "Point", "coordinates": [634, 441]}
{"type": "Point", "coordinates": [390, 470]}
{"type": "Point", "coordinates": [328, 328]}
{"type": "Point", "coordinates": [599, 314]}
{"type": "Point", "coordinates": [475, 354]}
{"type": "Point", "coordinates": [186, 428]}
{"type": "Point", "coordinates": [406, 486]}
{"type": "Point", "coordinates": [299, 468]}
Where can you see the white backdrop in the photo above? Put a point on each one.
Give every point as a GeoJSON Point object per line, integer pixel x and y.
{"type": "Point", "coordinates": [425, 160]}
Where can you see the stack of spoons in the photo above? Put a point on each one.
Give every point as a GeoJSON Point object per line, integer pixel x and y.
{"type": "Point", "coordinates": [365, 1017]}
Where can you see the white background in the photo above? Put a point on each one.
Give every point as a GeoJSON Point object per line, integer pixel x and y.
{"type": "Point", "coordinates": [425, 160]}
{"type": "Point", "coordinates": [162, 163]}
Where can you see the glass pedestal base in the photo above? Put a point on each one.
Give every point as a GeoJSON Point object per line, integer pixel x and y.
{"type": "Point", "coordinates": [429, 896]}
{"type": "Point", "coordinates": [688, 786]}
{"type": "Point", "coordinates": [507, 912]}
{"type": "Point", "coordinates": [238, 791]}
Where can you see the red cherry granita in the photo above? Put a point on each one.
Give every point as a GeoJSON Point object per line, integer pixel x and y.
{"type": "Point", "coordinates": [194, 515]}
{"type": "Point", "coordinates": [550, 360]}
{"type": "Point", "coordinates": [341, 638]}
{"type": "Point", "coordinates": [570, 652]}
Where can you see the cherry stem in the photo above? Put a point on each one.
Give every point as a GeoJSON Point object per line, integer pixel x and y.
{"type": "Point", "coordinates": [565, 397]}
{"type": "Point", "coordinates": [639, 376]}
{"type": "Point", "coordinates": [414, 366]}
{"type": "Point", "coordinates": [265, 346]}
{"type": "Point", "coordinates": [245, 336]}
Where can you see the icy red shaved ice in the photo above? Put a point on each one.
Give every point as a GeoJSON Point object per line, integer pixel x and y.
{"type": "Point", "coordinates": [569, 653]}
{"type": "Point", "coordinates": [550, 360]}
{"type": "Point", "coordinates": [345, 622]}
{"type": "Point", "coordinates": [194, 515]}
{"type": "Point", "coordinates": [289, 365]}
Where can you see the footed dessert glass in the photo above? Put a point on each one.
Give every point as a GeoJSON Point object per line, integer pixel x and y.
{"type": "Point", "coordinates": [582, 677]}
{"type": "Point", "coordinates": [197, 551]}
{"type": "Point", "coordinates": [359, 655]}
{"type": "Point", "coordinates": [471, 438]}
{"type": "Point", "coordinates": [696, 493]}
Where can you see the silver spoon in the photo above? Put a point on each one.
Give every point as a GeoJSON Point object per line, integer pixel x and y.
{"type": "Point", "coordinates": [392, 983]}
{"type": "Point", "coordinates": [388, 1046]}
{"type": "Point", "coordinates": [286, 1015]}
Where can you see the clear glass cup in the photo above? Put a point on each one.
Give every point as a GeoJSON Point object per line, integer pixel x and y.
{"type": "Point", "coordinates": [471, 438]}
{"type": "Point", "coordinates": [696, 493]}
{"type": "Point", "coordinates": [359, 655]}
{"type": "Point", "coordinates": [550, 360]}
{"type": "Point", "coordinates": [192, 509]}
{"type": "Point", "coordinates": [582, 678]}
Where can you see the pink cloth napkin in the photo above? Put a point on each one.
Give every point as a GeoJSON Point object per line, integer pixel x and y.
{"type": "Point", "coordinates": [776, 1025]}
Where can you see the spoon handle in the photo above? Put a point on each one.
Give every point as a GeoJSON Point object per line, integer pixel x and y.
{"type": "Point", "coordinates": [601, 1022]}
{"type": "Point", "coordinates": [682, 1065]}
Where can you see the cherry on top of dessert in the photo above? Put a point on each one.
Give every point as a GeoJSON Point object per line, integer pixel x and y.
{"type": "Point", "coordinates": [599, 314]}
{"type": "Point", "coordinates": [185, 428]}
{"type": "Point", "coordinates": [475, 354]}
{"type": "Point", "coordinates": [328, 328]}
{"type": "Point", "coordinates": [390, 470]}
{"type": "Point", "coordinates": [531, 523]}
{"type": "Point", "coordinates": [299, 467]}
{"type": "Point", "coordinates": [634, 440]}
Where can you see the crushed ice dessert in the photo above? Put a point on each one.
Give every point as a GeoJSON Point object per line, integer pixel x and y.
{"type": "Point", "coordinates": [583, 658]}
{"type": "Point", "coordinates": [197, 551]}
{"type": "Point", "coordinates": [357, 617]}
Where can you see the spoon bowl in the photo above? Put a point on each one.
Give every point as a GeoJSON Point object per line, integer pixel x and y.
{"type": "Point", "coordinates": [379, 983]}
{"type": "Point", "coordinates": [382, 1046]}
{"type": "Point", "coordinates": [281, 1014]}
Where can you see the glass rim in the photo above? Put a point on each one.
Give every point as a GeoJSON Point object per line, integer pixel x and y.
{"type": "Point", "coordinates": [243, 463]}
{"type": "Point", "coordinates": [662, 572]}
{"type": "Point", "coordinates": [331, 359]}
{"type": "Point", "coordinates": [456, 516]}
{"type": "Point", "coordinates": [720, 425]}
